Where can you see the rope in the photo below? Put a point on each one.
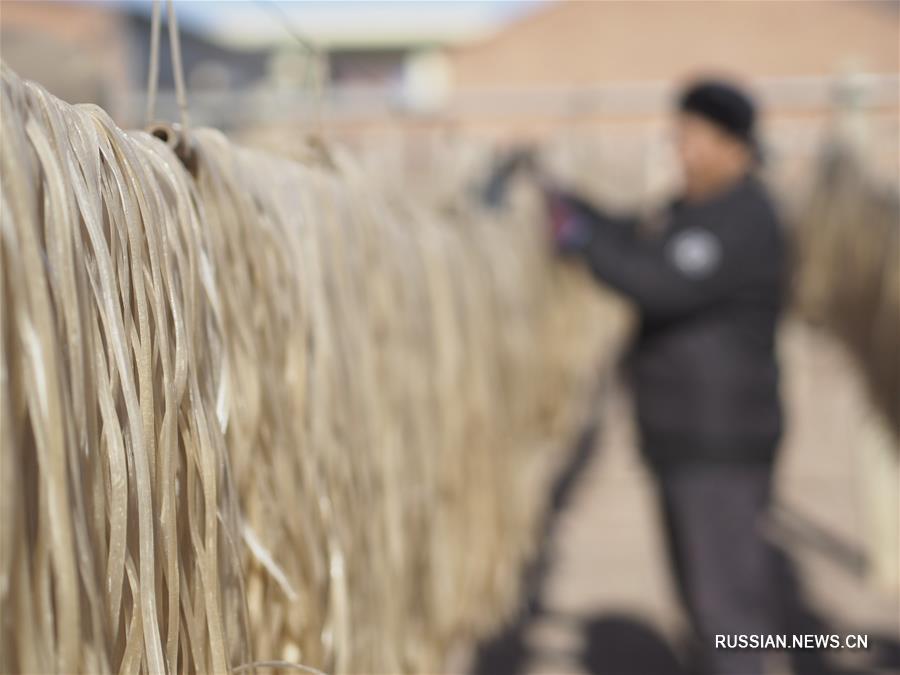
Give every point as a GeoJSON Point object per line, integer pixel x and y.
{"type": "Point", "coordinates": [180, 94]}
{"type": "Point", "coordinates": [153, 75]}
{"type": "Point", "coordinates": [177, 67]}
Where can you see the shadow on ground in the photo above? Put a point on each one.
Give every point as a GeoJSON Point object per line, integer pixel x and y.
{"type": "Point", "coordinates": [621, 644]}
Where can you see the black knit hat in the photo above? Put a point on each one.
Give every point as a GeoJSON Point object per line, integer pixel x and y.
{"type": "Point", "coordinates": [723, 104]}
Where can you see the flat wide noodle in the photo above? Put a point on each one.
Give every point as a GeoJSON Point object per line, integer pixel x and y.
{"type": "Point", "coordinates": [264, 415]}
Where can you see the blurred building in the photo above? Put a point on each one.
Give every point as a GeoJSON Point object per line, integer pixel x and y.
{"type": "Point", "coordinates": [99, 53]}
{"type": "Point", "coordinates": [80, 52]}
{"type": "Point", "coordinates": [583, 60]}
{"type": "Point", "coordinates": [555, 66]}
{"type": "Point", "coordinates": [584, 44]}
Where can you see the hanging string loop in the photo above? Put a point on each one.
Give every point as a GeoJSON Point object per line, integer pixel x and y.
{"type": "Point", "coordinates": [176, 136]}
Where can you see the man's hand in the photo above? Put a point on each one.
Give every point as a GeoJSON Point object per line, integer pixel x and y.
{"type": "Point", "coordinates": [571, 230]}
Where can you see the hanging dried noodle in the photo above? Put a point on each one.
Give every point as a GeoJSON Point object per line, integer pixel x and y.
{"type": "Point", "coordinates": [848, 280]}
{"type": "Point", "coordinates": [264, 415]}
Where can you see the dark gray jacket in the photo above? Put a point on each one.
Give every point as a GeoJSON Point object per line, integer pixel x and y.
{"type": "Point", "coordinates": [709, 291]}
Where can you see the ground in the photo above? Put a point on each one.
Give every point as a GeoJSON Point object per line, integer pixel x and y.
{"type": "Point", "coordinates": [601, 597]}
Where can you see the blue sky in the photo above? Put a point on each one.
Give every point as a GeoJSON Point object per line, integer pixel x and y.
{"type": "Point", "coordinates": [255, 22]}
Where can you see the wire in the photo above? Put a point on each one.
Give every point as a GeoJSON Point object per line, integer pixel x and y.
{"type": "Point", "coordinates": [153, 75]}
{"type": "Point", "coordinates": [319, 61]}
{"type": "Point", "coordinates": [287, 23]}
{"type": "Point", "coordinates": [178, 71]}
{"type": "Point", "coordinates": [177, 67]}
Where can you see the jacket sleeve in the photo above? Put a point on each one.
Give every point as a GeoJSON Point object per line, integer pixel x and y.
{"type": "Point", "coordinates": [678, 275]}
{"type": "Point", "coordinates": [575, 223]}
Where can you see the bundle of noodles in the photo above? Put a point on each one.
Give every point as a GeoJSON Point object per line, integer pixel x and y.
{"type": "Point", "coordinates": [119, 546]}
{"type": "Point", "coordinates": [435, 356]}
{"type": "Point", "coordinates": [848, 279]}
{"type": "Point", "coordinates": [262, 412]}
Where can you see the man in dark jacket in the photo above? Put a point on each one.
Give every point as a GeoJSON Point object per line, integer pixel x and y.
{"type": "Point", "coordinates": [708, 288]}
